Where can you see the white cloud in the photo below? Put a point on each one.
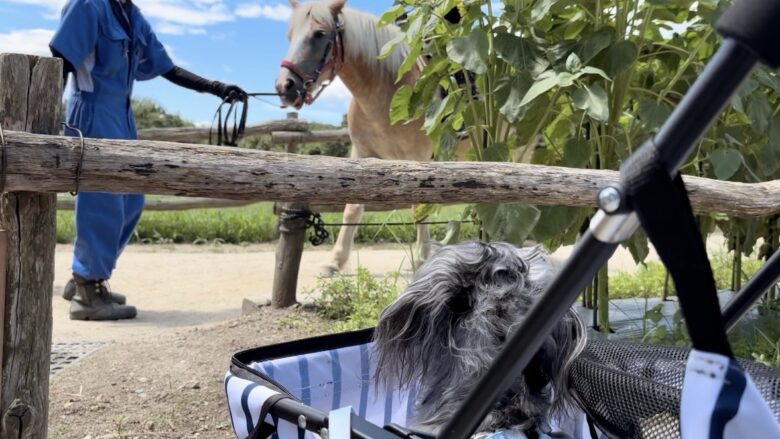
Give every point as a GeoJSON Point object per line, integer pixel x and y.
{"type": "Point", "coordinates": [172, 54]}
{"type": "Point", "coordinates": [193, 13]}
{"type": "Point", "coordinates": [187, 12]}
{"type": "Point", "coordinates": [177, 29]}
{"type": "Point", "coordinates": [337, 93]}
{"type": "Point", "coordinates": [280, 12]}
{"type": "Point", "coordinates": [29, 41]}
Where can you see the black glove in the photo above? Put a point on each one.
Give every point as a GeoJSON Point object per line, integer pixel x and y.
{"type": "Point", "coordinates": [228, 92]}
{"type": "Point", "coordinates": [187, 79]}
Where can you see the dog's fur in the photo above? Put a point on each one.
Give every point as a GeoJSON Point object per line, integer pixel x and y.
{"type": "Point", "coordinates": [453, 319]}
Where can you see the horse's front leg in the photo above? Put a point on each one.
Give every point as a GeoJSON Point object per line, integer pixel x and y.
{"type": "Point", "coordinates": [422, 248]}
{"type": "Point", "coordinates": [340, 253]}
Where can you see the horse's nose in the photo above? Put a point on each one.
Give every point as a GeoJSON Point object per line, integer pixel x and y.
{"type": "Point", "coordinates": [289, 84]}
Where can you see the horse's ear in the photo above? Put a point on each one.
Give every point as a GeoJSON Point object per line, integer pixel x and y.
{"type": "Point", "coordinates": [293, 3]}
{"type": "Point", "coordinates": [337, 5]}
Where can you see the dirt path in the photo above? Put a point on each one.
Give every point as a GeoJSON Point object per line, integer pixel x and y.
{"type": "Point", "coordinates": [167, 387]}
{"type": "Point", "coordinates": [185, 286]}
{"type": "Point", "coordinates": [178, 287]}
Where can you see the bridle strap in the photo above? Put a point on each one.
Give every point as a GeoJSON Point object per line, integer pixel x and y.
{"type": "Point", "coordinates": [332, 59]}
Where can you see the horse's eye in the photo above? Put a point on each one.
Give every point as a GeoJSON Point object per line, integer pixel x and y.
{"type": "Point", "coordinates": [319, 34]}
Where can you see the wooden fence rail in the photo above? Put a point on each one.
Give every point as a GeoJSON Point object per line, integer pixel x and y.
{"type": "Point", "coordinates": [287, 137]}
{"type": "Point", "coordinates": [218, 203]}
{"type": "Point", "coordinates": [41, 163]}
{"type": "Point", "coordinates": [200, 134]}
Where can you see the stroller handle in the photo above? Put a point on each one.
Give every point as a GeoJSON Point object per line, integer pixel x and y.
{"type": "Point", "coordinates": [754, 23]}
{"type": "Point", "coordinates": [733, 62]}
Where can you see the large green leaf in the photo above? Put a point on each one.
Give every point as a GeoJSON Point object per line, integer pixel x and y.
{"type": "Point", "coordinates": [391, 45]}
{"type": "Point", "coordinates": [576, 153]}
{"type": "Point", "coordinates": [544, 83]}
{"type": "Point", "coordinates": [774, 130]}
{"type": "Point", "coordinates": [726, 162]}
{"type": "Point", "coordinates": [770, 159]}
{"type": "Point", "coordinates": [391, 15]}
{"type": "Point", "coordinates": [471, 51]}
{"type": "Point", "coordinates": [590, 70]}
{"type": "Point", "coordinates": [573, 29]}
{"type": "Point", "coordinates": [542, 9]}
{"type": "Point", "coordinates": [759, 112]}
{"type": "Point", "coordinates": [447, 144]}
{"type": "Point", "coordinates": [594, 100]}
{"type": "Point", "coordinates": [399, 105]}
{"type": "Point", "coordinates": [415, 50]}
{"type": "Point", "coordinates": [553, 220]}
{"type": "Point", "coordinates": [769, 80]}
{"type": "Point", "coordinates": [517, 51]}
{"type": "Point", "coordinates": [621, 56]}
{"type": "Point", "coordinates": [497, 152]}
{"type": "Point", "coordinates": [436, 112]}
{"type": "Point", "coordinates": [596, 43]}
{"type": "Point", "coordinates": [638, 246]}
{"type": "Point", "coordinates": [510, 222]}
{"type": "Point", "coordinates": [653, 114]}
{"type": "Point", "coordinates": [510, 95]}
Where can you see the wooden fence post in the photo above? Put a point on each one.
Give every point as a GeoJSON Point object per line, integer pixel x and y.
{"type": "Point", "coordinates": [292, 233]}
{"type": "Point", "coordinates": [30, 96]}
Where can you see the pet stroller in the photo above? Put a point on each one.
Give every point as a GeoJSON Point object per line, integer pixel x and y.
{"type": "Point", "coordinates": [323, 387]}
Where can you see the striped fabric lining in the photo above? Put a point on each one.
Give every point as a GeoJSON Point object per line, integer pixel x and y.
{"type": "Point", "coordinates": [322, 380]}
{"type": "Point", "coordinates": [330, 380]}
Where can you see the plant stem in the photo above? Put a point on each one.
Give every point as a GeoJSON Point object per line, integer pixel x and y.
{"type": "Point", "coordinates": [603, 294]}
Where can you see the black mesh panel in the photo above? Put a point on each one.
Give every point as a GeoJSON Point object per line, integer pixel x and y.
{"type": "Point", "coordinates": [633, 390]}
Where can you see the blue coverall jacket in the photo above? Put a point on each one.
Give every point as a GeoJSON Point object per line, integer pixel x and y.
{"type": "Point", "coordinates": [107, 60]}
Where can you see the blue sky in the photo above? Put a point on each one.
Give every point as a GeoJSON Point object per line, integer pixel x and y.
{"type": "Point", "coordinates": [238, 41]}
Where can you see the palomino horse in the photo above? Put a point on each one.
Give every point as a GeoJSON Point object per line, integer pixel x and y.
{"type": "Point", "coordinates": [329, 40]}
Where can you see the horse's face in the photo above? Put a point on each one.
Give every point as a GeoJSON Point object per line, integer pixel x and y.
{"type": "Point", "coordinates": [312, 32]}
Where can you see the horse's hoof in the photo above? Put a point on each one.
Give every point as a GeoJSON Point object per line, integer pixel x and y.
{"type": "Point", "coordinates": [329, 270]}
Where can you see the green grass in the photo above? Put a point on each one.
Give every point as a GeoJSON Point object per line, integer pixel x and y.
{"type": "Point", "coordinates": [257, 224]}
{"type": "Point", "coordinates": [648, 280]}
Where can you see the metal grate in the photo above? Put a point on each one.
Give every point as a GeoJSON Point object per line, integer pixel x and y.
{"type": "Point", "coordinates": [67, 354]}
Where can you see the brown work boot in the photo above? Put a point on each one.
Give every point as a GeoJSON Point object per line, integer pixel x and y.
{"type": "Point", "coordinates": [70, 291]}
{"type": "Point", "coordinates": [92, 301]}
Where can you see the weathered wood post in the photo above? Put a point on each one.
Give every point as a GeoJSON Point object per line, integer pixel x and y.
{"type": "Point", "coordinates": [30, 96]}
{"type": "Point", "coordinates": [292, 233]}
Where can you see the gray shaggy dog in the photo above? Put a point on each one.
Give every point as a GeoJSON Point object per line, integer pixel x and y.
{"type": "Point", "coordinates": [453, 319]}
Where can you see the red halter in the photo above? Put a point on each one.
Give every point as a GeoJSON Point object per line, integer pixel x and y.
{"type": "Point", "coordinates": [332, 59]}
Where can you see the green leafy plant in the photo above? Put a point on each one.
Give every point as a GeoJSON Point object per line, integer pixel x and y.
{"type": "Point", "coordinates": [355, 301]}
{"type": "Point", "coordinates": [582, 83]}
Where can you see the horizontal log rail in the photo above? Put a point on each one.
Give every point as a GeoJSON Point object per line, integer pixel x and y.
{"type": "Point", "coordinates": [335, 136]}
{"type": "Point", "coordinates": [201, 134]}
{"type": "Point", "coordinates": [180, 204]}
{"type": "Point", "coordinates": [40, 163]}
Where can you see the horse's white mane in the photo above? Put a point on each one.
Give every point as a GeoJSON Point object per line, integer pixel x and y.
{"type": "Point", "coordinates": [363, 40]}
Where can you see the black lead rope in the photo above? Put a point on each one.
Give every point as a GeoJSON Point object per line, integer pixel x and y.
{"type": "Point", "coordinates": [227, 135]}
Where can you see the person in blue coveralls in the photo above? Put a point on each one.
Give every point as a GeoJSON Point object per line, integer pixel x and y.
{"type": "Point", "coordinates": [107, 45]}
